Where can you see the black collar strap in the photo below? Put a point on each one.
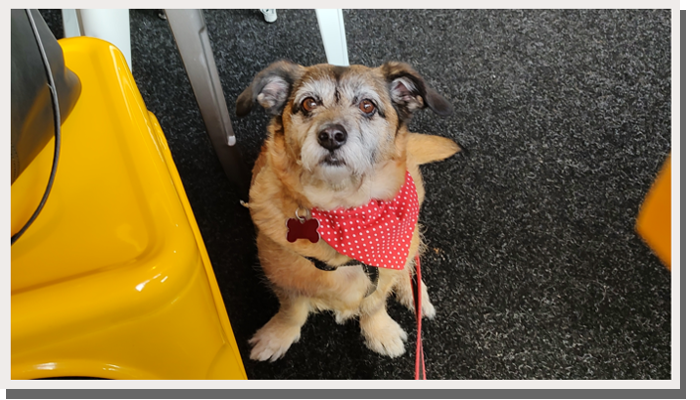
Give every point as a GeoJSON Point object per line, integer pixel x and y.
{"type": "Point", "coordinates": [371, 271]}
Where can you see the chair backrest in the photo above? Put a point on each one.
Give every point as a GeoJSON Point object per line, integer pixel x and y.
{"type": "Point", "coordinates": [32, 108]}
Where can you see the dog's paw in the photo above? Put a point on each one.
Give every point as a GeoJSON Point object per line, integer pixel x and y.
{"type": "Point", "coordinates": [384, 335]}
{"type": "Point", "coordinates": [272, 341]}
{"type": "Point", "coordinates": [427, 309]}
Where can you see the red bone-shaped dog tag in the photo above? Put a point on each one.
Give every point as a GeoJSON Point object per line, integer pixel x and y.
{"type": "Point", "coordinates": [302, 229]}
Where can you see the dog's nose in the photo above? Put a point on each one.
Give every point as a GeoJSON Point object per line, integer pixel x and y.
{"type": "Point", "coordinates": [332, 137]}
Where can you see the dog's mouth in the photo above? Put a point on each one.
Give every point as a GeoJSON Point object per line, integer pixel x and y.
{"type": "Point", "coordinates": [333, 160]}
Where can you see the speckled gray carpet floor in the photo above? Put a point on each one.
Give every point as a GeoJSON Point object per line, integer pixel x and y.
{"type": "Point", "coordinates": [533, 263]}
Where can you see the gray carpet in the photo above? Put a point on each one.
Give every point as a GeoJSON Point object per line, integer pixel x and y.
{"type": "Point", "coordinates": [534, 265]}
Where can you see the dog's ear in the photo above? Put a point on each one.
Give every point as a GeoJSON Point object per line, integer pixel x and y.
{"type": "Point", "coordinates": [270, 88]}
{"type": "Point", "coordinates": [409, 92]}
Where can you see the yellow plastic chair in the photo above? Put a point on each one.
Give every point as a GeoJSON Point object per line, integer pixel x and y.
{"type": "Point", "coordinates": [112, 280]}
{"type": "Point", "coordinates": [654, 221]}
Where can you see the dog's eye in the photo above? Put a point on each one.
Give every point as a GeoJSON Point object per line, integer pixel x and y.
{"type": "Point", "coordinates": [309, 104]}
{"type": "Point", "coordinates": [367, 106]}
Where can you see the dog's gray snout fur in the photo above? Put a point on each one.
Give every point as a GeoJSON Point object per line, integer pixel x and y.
{"type": "Point", "coordinates": [332, 137]}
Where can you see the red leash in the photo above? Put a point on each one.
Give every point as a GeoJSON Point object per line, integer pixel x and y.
{"type": "Point", "coordinates": [420, 359]}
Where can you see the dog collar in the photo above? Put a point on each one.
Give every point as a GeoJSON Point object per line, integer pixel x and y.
{"type": "Point", "coordinates": [378, 233]}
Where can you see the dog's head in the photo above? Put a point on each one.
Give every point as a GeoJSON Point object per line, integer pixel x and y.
{"type": "Point", "coordinates": [340, 122]}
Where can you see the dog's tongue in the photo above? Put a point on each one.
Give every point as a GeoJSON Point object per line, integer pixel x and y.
{"type": "Point", "coordinates": [378, 233]}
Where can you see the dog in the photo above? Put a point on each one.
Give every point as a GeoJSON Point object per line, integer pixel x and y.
{"type": "Point", "coordinates": [338, 140]}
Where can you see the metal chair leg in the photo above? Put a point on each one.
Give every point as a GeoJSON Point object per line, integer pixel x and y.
{"type": "Point", "coordinates": [192, 39]}
{"type": "Point", "coordinates": [270, 14]}
{"type": "Point", "coordinates": [333, 35]}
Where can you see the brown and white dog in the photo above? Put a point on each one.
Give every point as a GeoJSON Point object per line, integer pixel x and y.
{"type": "Point", "coordinates": [337, 139]}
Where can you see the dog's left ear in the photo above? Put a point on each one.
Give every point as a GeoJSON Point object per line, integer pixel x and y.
{"type": "Point", "coordinates": [409, 92]}
{"type": "Point", "coordinates": [270, 88]}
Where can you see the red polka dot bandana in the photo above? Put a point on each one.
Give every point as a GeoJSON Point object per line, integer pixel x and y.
{"type": "Point", "coordinates": [378, 233]}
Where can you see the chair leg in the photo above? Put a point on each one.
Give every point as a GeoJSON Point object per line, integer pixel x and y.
{"type": "Point", "coordinates": [270, 14]}
{"type": "Point", "coordinates": [333, 34]}
{"type": "Point", "coordinates": [71, 28]}
{"type": "Point", "coordinates": [192, 39]}
{"type": "Point", "coordinates": [111, 25]}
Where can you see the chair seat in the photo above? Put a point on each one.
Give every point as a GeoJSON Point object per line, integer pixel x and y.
{"type": "Point", "coordinates": [113, 280]}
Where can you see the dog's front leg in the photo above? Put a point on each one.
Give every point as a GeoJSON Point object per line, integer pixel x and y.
{"type": "Point", "coordinates": [274, 339]}
{"type": "Point", "coordinates": [382, 334]}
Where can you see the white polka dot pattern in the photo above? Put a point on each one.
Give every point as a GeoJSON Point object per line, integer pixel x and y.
{"type": "Point", "coordinates": [378, 233]}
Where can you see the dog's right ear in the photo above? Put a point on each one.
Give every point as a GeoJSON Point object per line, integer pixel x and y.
{"type": "Point", "coordinates": [270, 88]}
